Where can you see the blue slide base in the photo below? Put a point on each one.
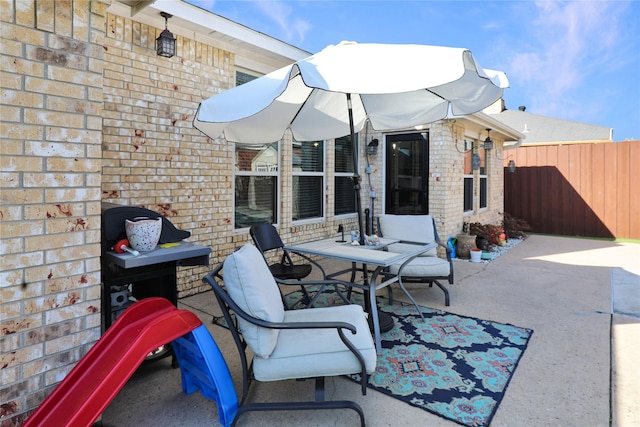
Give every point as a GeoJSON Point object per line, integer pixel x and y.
{"type": "Point", "coordinates": [204, 369]}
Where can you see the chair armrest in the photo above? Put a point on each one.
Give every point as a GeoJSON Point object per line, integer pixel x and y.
{"type": "Point", "coordinates": [227, 304]}
{"type": "Point", "coordinates": [209, 278]}
{"type": "Point", "coordinates": [446, 248]}
{"type": "Point", "coordinates": [306, 257]}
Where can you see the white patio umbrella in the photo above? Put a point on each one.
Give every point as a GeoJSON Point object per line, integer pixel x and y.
{"type": "Point", "coordinates": [334, 92]}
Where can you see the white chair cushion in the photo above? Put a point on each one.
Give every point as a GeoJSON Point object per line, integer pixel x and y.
{"type": "Point", "coordinates": [305, 353]}
{"type": "Point", "coordinates": [412, 228]}
{"type": "Point", "coordinates": [400, 248]}
{"type": "Point", "coordinates": [250, 284]}
{"type": "Point", "coordinates": [423, 267]}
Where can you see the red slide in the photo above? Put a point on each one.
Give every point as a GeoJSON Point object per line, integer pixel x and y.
{"type": "Point", "coordinates": [93, 383]}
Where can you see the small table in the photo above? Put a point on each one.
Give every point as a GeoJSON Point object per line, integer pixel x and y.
{"type": "Point", "coordinates": [381, 259]}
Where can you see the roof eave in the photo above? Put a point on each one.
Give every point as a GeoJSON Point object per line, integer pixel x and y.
{"type": "Point", "coordinates": [253, 49]}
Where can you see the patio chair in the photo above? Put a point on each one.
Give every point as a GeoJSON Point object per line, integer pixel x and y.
{"type": "Point", "coordinates": [292, 344]}
{"type": "Point", "coordinates": [266, 238]}
{"type": "Point", "coordinates": [426, 268]}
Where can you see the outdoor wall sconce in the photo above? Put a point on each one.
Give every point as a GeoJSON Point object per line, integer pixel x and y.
{"type": "Point", "coordinates": [166, 43]}
{"type": "Point", "coordinates": [511, 167]}
{"type": "Point", "coordinates": [488, 143]}
{"type": "Point", "coordinates": [372, 147]}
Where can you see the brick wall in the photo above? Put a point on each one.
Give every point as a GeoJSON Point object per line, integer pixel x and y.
{"type": "Point", "coordinates": [51, 119]}
{"type": "Point", "coordinates": [152, 155]}
{"type": "Point", "coordinates": [446, 186]}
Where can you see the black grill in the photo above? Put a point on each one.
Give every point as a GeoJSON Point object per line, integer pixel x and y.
{"type": "Point", "coordinates": [125, 278]}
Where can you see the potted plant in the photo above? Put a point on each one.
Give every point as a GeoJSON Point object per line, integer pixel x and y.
{"type": "Point", "coordinates": [476, 255]}
{"type": "Point", "coordinates": [465, 242]}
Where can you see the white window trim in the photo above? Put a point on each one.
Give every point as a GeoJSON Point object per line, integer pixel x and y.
{"type": "Point", "coordinates": [237, 173]}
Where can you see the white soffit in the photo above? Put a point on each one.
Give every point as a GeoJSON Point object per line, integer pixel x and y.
{"type": "Point", "coordinates": [253, 50]}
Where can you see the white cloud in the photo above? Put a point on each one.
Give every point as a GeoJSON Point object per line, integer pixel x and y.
{"type": "Point", "coordinates": [567, 43]}
{"type": "Point", "coordinates": [293, 29]}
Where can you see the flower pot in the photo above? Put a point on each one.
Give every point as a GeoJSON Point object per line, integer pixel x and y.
{"type": "Point", "coordinates": [143, 233]}
{"type": "Point", "coordinates": [482, 243]}
{"type": "Point", "coordinates": [476, 255]}
{"type": "Point", "coordinates": [465, 243]}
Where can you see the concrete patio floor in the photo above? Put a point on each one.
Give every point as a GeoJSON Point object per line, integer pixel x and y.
{"type": "Point", "coordinates": [580, 369]}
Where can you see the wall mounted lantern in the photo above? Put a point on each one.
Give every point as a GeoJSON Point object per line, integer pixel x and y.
{"type": "Point", "coordinates": [372, 147]}
{"type": "Point", "coordinates": [166, 43]}
{"type": "Point", "coordinates": [488, 143]}
{"type": "Point", "coordinates": [511, 167]}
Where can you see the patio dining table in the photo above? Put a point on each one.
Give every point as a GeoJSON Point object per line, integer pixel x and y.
{"type": "Point", "coordinates": [377, 256]}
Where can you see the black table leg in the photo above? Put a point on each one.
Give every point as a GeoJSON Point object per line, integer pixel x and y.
{"type": "Point", "coordinates": [385, 320]}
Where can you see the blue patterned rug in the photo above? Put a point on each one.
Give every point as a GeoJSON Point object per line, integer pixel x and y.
{"type": "Point", "coordinates": [454, 366]}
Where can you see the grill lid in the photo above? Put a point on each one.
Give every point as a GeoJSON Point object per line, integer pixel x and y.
{"type": "Point", "coordinates": [114, 216]}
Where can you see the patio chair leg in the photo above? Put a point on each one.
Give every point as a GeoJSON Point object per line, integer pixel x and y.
{"type": "Point", "coordinates": [446, 292]}
{"type": "Point", "coordinates": [318, 403]}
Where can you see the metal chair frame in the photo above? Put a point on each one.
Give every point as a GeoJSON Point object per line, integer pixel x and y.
{"type": "Point", "coordinates": [230, 308]}
{"type": "Point", "coordinates": [266, 238]}
{"type": "Point", "coordinates": [426, 279]}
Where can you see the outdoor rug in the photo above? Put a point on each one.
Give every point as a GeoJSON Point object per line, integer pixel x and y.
{"type": "Point", "coordinates": [453, 366]}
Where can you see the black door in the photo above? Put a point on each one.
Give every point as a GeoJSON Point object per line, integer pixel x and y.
{"type": "Point", "coordinates": [407, 173]}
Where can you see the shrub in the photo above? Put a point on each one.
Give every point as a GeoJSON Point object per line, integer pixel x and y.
{"type": "Point", "coordinates": [515, 227]}
{"type": "Point", "coordinates": [494, 234]}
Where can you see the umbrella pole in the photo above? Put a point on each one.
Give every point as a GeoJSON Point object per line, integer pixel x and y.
{"type": "Point", "coordinates": [356, 174]}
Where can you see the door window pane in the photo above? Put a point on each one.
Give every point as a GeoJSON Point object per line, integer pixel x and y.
{"type": "Point", "coordinates": [407, 169]}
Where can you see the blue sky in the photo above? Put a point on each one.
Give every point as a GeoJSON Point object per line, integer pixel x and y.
{"type": "Point", "coordinates": [573, 60]}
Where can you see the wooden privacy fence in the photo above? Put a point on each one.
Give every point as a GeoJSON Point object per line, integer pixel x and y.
{"type": "Point", "coordinates": [588, 190]}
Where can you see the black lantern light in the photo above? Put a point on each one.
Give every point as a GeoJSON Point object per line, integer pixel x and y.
{"type": "Point", "coordinates": [488, 143]}
{"type": "Point", "coordinates": [166, 43]}
{"type": "Point", "coordinates": [372, 147]}
{"type": "Point", "coordinates": [511, 167]}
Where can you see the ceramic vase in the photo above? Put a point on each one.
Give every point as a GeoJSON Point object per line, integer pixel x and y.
{"type": "Point", "coordinates": [143, 233]}
{"type": "Point", "coordinates": [464, 245]}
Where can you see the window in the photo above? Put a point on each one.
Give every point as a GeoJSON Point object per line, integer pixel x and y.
{"type": "Point", "coordinates": [469, 173]}
{"type": "Point", "coordinates": [483, 178]}
{"type": "Point", "coordinates": [256, 184]}
{"type": "Point", "coordinates": [468, 176]}
{"type": "Point", "coordinates": [242, 78]}
{"type": "Point", "coordinates": [345, 195]}
{"type": "Point", "coordinates": [308, 180]}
